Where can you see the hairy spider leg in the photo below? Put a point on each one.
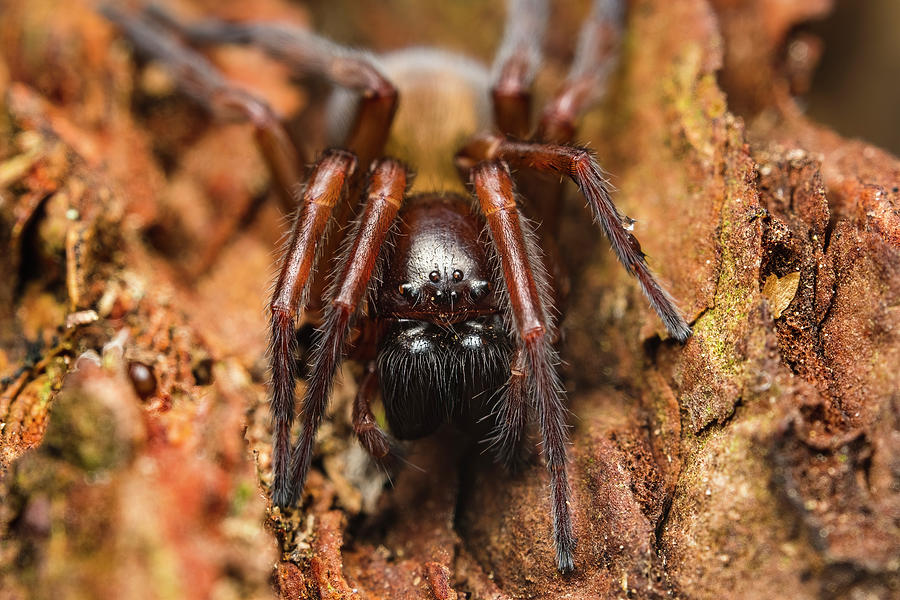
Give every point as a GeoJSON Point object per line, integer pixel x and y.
{"type": "Point", "coordinates": [508, 435]}
{"type": "Point", "coordinates": [386, 191]}
{"type": "Point", "coordinates": [526, 286]}
{"type": "Point", "coordinates": [198, 78]}
{"type": "Point", "coordinates": [515, 65]}
{"type": "Point", "coordinates": [373, 438]}
{"type": "Point", "coordinates": [310, 54]}
{"type": "Point", "coordinates": [580, 165]}
{"type": "Point", "coordinates": [519, 57]}
{"type": "Point", "coordinates": [306, 53]}
{"type": "Point", "coordinates": [595, 58]}
{"type": "Point", "coordinates": [327, 183]}
{"type": "Point", "coordinates": [514, 68]}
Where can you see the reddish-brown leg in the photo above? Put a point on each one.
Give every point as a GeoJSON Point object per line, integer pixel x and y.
{"type": "Point", "coordinates": [325, 186]}
{"type": "Point", "coordinates": [515, 65]}
{"type": "Point", "coordinates": [200, 80]}
{"type": "Point", "coordinates": [595, 58]}
{"type": "Point", "coordinates": [309, 54]}
{"type": "Point", "coordinates": [509, 433]}
{"type": "Point", "coordinates": [385, 196]}
{"type": "Point", "coordinates": [372, 437]}
{"type": "Point", "coordinates": [581, 167]}
{"type": "Point", "coordinates": [525, 282]}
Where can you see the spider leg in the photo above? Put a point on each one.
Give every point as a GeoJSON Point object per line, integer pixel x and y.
{"type": "Point", "coordinates": [526, 286]}
{"type": "Point", "coordinates": [580, 165]}
{"type": "Point", "coordinates": [595, 58]}
{"type": "Point", "coordinates": [308, 54]}
{"type": "Point", "coordinates": [373, 438]}
{"type": "Point", "coordinates": [200, 80]}
{"type": "Point", "coordinates": [385, 195]}
{"type": "Point", "coordinates": [512, 416]}
{"type": "Point", "coordinates": [326, 185]}
{"type": "Point", "coordinates": [515, 65]}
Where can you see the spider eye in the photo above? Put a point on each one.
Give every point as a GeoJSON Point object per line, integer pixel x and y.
{"type": "Point", "coordinates": [434, 276]}
{"type": "Point", "coordinates": [479, 290]}
{"type": "Point", "coordinates": [405, 289]}
{"type": "Point", "coordinates": [457, 275]}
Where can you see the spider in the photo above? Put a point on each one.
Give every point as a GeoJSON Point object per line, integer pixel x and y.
{"type": "Point", "coordinates": [448, 280]}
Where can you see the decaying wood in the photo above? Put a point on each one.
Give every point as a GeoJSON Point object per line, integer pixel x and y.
{"type": "Point", "coordinates": [761, 458]}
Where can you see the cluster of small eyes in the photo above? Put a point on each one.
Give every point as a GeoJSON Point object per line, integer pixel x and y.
{"type": "Point", "coordinates": [435, 276]}
{"type": "Point", "coordinates": [477, 289]}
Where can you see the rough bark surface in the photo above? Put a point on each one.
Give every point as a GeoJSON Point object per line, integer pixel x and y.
{"type": "Point", "coordinates": [762, 456]}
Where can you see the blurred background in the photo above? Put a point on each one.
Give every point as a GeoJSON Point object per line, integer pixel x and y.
{"type": "Point", "coordinates": [856, 88]}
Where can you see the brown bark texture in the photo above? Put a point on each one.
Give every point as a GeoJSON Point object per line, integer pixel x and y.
{"type": "Point", "coordinates": [759, 460]}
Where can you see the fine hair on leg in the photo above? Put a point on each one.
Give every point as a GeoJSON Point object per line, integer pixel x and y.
{"type": "Point", "coordinates": [534, 332]}
{"type": "Point", "coordinates": [386, 191]}
{"type": "Point", "coordinates": [327, 184]}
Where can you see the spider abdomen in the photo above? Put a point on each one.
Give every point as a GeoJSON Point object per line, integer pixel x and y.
{"type": "Point", "coordinates": [443, 99]}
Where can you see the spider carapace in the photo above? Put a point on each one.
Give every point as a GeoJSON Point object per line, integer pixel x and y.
{"type": "Point", "coordinates": [443, 268]}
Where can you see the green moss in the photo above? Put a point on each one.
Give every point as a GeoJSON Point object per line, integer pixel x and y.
{"type": "Point", "coordinates": [52, 381]}
{"type": "Point", "coordinates": [165, 569]}
{"type": "Point", "coordinates": [85, 433]}
{"type": "Point", "coordinates": [242, 495]}
{"type": "Point", "coordinates": [697, 100]}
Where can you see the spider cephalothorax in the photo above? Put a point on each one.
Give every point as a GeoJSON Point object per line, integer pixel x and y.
{"type": "Point", "coordinates": [451, 283]}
